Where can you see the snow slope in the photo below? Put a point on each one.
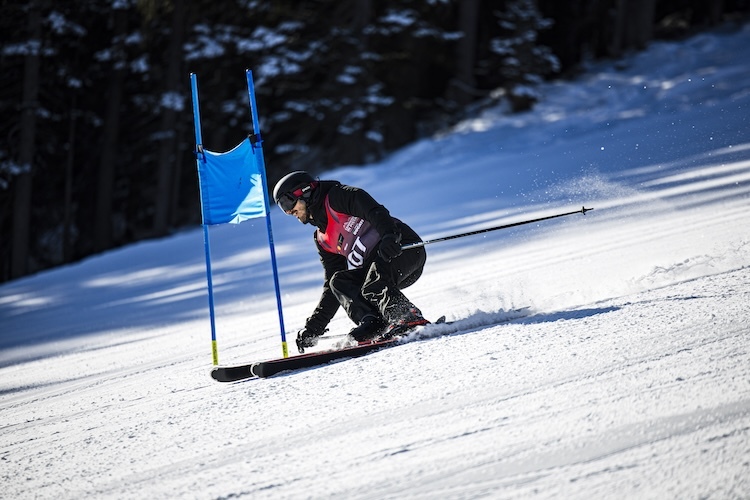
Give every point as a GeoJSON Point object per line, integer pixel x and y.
{"type": "Point", "coordinates": [631, 379]}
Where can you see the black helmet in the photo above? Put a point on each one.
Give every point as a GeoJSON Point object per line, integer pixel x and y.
{"type": "Point", "coordinates": [292, 187]}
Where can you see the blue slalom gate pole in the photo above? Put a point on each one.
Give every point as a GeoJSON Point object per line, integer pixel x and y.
{"type": "Point", "coordinates": [206, 240]}
{"type": "Point", "coordinates": [257, 143]}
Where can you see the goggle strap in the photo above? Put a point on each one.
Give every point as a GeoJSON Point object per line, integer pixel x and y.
{"type": "Point", "coordinates": [301, 192]}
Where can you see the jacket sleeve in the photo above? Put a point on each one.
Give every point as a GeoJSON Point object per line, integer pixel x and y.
{"type": "Point", "coordinates": [358, 202]}
{"type": "Point", "coordinates": [328, 304]}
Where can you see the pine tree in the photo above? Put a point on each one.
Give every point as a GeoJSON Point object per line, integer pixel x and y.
{"type": "Point", "coordinates": [521, 61]}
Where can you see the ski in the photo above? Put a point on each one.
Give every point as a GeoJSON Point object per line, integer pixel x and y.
{"type": "Point", "coordinates": [264, 369]}
{"type": "Point", "coordinates": [269, 368]}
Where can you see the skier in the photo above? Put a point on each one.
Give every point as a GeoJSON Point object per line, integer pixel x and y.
{"type": "Point", "coordinates": [359, 244]}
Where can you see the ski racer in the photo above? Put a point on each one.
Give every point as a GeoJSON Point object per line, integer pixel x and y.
{"type": "Point", "coordinates": [359, 244]}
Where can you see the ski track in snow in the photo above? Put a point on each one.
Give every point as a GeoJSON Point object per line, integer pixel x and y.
{"type": "Point", "coordinates": [629, 378]}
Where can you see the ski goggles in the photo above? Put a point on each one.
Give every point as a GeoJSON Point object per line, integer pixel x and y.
{"type": "Point", "coordinates": [287, 201]}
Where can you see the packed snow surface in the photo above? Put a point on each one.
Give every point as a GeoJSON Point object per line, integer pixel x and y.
{"type": "Point", "coordinates": [629, 377]}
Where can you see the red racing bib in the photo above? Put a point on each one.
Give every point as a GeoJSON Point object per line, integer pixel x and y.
{"type": "Point", "coordinates": [347, 235]}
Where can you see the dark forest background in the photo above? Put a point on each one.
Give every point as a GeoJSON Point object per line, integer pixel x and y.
{"type": "Point", "coordinates": [96, 134]}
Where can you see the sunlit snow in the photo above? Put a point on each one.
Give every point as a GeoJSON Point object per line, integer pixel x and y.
{"type": "Point", "coordinates": [630, 378]}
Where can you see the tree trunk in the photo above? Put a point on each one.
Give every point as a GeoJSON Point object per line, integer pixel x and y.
{"type": "Point", "coordinates": [618, 25]}
{"type": "Point", "coordinates": [110, 133]}
{"type": "Point", "coordinates": [707, 13]}
{"type": "Point", "coordinates": [167, 149]}
{"type": "Point", "coordinates": [642, 23]}
{"type": "Point", "coordinates": [22, 186]}
{"type": "Point", "coordinates": [362, 14]}
{"type": "Point", "coordinates": [464, 84]}
{"type": "Point", "coordinates": [633, 25]}
{"type": "Point", "coordinates": [68, 200]}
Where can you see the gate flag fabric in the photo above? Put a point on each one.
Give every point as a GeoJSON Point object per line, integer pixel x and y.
{"type": "Point", "coordinates": [231, 185]}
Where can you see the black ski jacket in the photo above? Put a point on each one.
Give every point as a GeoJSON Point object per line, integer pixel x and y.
{"type": "Point", "coordinates": [351, 201]}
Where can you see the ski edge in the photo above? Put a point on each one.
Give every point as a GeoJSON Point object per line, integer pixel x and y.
{"type": "Point", "coordinates": [269, 368]}
{"type": "Point", "coordinates": [265, 369]}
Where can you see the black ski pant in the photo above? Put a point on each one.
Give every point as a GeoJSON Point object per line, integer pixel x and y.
{"type": "Point", "coordinates": [376, 289]}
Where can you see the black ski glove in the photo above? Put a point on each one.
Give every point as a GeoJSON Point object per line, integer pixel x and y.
{"type": "Point", "coordinates": [390, 246]}
{"type": "Point", "coordinates": [307, 338]}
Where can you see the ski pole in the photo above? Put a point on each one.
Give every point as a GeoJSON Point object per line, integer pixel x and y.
{"type": "Point", "coordinates": [583, 211]}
